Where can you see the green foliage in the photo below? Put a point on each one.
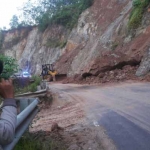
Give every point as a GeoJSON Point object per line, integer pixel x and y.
{"type": "Point", "coordinates": [37, 142]}
{"type": "Point", "coordinates": [54, 42]}
{"type": "Point", "coordinates": [10, 66]}
{"type": "Point", "coordinates": [114, 45]}
{"type": "Point", "coordinates": [14, 22]}
{"type": "Point", "coordinates": [37, 79]}
{"type": "Point", "coordinates": [137, 13]}
{"type": "Point", "coordinates": [32, 87]}
{"type": "Point", "coordinates": [136, 3]}
{"type": "Point", "coordinates": [63, 44]}
{"type": "Point", "coordinates": [67, 17]}
{"type": "Point", "coordinates": [62, 12]}
{"type": "Point", "coordinates": [29, 87]}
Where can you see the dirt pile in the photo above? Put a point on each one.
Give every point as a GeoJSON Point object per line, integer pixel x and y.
{"type": "Point", "coordinates": [52, 110]}
{"type": "Point", "coordinates": [116, 75]}
{"type": "Point", "coordinates": [112, 67]}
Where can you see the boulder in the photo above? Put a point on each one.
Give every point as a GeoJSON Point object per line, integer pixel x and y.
{"type": "Point", "coordinates": [145, 65]}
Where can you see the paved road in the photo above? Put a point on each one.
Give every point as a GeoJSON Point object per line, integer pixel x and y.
{"type": "Point", "coordinates": [123, 110]}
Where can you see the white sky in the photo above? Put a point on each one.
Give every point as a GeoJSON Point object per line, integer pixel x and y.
{"type": "Point", "coordinates": [8, 8]}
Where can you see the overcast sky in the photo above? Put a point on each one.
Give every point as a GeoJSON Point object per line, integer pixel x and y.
{"type": "Point", "coordinates": [8, 8]}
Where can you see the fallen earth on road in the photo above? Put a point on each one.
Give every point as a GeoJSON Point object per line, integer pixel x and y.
{"type": "Point", "coordinates": [114, 116]}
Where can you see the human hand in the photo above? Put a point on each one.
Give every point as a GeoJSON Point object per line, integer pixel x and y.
{"type": "Point", "coordinates": [6, 89]}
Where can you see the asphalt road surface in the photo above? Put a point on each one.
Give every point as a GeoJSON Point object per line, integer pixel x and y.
{"type": "Point", "coordinates": [123, 110]}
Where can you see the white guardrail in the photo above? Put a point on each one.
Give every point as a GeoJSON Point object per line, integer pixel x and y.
{"type": "Point", "coordinates": [28, 109]}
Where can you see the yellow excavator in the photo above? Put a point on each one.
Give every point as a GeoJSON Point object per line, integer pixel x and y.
{"type": "Point", "coordinates": [48, 72]}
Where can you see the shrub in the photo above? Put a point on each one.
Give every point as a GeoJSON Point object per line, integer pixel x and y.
{"type": "Point", "coordinates": [32, 87]}
{"type": "Point", "coordinates": [54, 42]}
{"type": "Point", "coordinates": [10, 66]}
{"type": "Point", "coordinates": [137, 12]}
{"type": "Point", "coordinates": [36, 79]}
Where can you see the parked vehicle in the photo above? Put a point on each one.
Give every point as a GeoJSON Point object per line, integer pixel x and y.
{"type": "Point", "coordinates": [26, 74]}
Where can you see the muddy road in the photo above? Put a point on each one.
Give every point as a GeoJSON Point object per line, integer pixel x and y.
{"type": "Point", "coordinates": [122, 110]}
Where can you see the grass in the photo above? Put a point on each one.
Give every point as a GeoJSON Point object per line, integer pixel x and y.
{"type": "Point", "coordinates": [39, 141]}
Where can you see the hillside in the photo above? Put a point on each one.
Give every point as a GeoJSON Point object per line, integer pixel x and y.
{"type": "Point", "coordinates": [100, 48]}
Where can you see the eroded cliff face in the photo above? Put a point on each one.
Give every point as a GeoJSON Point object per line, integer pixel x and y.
{"type": "Point", "coordinates": [94, 34]}
{"type": "Point", "coordinates": [33, 48]}
{"type": "Point", "coordinates": [105, 44]}
{"type": "Point", "coordinates": [101, 42]}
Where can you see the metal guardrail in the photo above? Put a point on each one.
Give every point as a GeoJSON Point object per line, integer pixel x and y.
{"type": "Point", "coordinates": [33, 94]}
{"type": "Point", "coordinates": [28, 109]}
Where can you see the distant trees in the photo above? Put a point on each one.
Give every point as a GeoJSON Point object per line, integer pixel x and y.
{"type": "Point", "coordinates": [14, 22]}
{"type": "Point", "coordinates": [47, 12]}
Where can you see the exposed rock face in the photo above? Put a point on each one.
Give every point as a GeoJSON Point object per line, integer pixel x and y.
{"type": "Point", "coordinates": [34, 49]}
{"type": "Point", "coordinates": [93, 35]}
{"type": "Point", "coordinates": [100, 42]}
{"type": "Point", "coordinates": [145, 64]}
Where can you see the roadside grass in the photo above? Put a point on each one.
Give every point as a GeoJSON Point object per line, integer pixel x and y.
{"type": "Point", "coordinates": [39, 141]}
{"type": "Point", "coordinates": [24, 86]}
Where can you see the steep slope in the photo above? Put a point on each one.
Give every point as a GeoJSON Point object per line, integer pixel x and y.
{"type": "Point", "coordinates": [101, 42]}
{"type": "Point", "coordinates": [94, 34]}
{"type": "Point", "coordinates": [106, 43]}
{"type": "Point", "coordinates": [33, 48]}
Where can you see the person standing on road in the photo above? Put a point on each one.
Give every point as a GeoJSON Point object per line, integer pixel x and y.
{"type": "Point", "coordinates": [8, 118]}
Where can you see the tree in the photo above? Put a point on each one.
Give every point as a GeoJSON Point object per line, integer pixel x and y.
{"type": "Point", "coordinates": [10, 66]}
{"type": "Point", "coordinates": [46, 12]}
{"type": "Point", "coordinates": [14, 22]}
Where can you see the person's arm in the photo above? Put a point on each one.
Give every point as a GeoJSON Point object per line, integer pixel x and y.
{"type": "Point", "coordinates": [8, 118]}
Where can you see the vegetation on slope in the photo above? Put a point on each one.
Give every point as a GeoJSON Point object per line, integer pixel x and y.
{"type": "Point", "coordinates": [10, 66]}
{"type": "Point", "coordinates": [48, 12]}
{"type": "Point", "coordinates": [40, 141]}
{"type": "Point", "coordinates": [137, 13]}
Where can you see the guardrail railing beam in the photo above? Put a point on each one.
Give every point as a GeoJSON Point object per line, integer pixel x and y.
{"type": "Point", "coordinates": [23, 121]}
